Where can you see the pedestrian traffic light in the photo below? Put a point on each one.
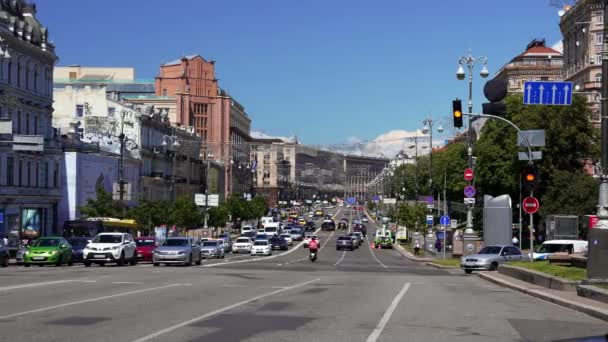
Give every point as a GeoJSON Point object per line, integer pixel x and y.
{"type": "Point", "coordinates": [530, 178]}
{"type": "Point", "coordinates": [495, 91]}
{"type": "Point", "coordinates": [457, 113]}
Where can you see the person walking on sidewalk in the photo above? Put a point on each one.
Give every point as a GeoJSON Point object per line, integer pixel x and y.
{"type": "Point", "coordinates": [417, 248]}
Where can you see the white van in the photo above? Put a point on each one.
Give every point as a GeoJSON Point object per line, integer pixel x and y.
{"type": "Point", "coordinates": [247, 229]}
{"type": "Point", "coordinates": [267, 219]}
{"type": "Point", "coordinates": [272, 228]}
{"type": "Point", "coordinates": [557, 246]}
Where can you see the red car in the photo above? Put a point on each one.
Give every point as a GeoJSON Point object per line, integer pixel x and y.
{"type": "Point", "coordinates": [145, 246]}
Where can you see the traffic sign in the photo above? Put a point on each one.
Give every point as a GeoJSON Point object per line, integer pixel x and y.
{"type": "Point", "coordinates": [468, 174]}
{"type": "Point", "coordinates": [530, 205]}
{"type": "Point", "coordinates": [429, 220]}
{"type": "Point", "coordinates": [444, 220]}
{"type": "Point", "coordinates": [469, 191]}
{"type": "Point", "coordinates": [454, 224]}
{"type": "Point", "coordinates": [469, 200]}
{"type": "Point", "coordinates": [548, 93]}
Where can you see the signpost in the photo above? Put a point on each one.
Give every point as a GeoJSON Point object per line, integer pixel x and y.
{"type": "Point", "coordinates": [468, 200]}
{"type": "Point", "coordinates": [469, 191]}
{"type": "Point", "coordinates": [468, 174]}
{"type": "Point", "coordinates": [213, 200]}
{"type": "Point", "coordinates": [531, 205]}
{"type": "Point", "coordinates": [445, 221]}
{"type": "Point", "coordinates": [429, 220]}
{"type": "Point", "coordinates": [548, 93]}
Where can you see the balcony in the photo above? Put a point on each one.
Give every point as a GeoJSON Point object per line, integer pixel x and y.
{"type": "Point", "coordinates": [592, 85]}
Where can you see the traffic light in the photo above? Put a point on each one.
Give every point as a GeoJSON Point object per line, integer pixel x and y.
{"type": "Point", "coordinates": [529, 178]}
{"type": "Point", "coordinates": [457, 113]}
{"type": "Point", "coordinates": [495, 91]}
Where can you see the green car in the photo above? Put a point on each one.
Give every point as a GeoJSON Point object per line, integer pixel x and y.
{"type": "Point", "coordinates": [48, 251]}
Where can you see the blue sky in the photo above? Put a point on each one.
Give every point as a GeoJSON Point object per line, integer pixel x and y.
{"type": "Point", "coordinates": [327, 71]}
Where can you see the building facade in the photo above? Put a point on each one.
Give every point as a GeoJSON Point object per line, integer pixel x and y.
{"type": "Point", "coordinates": [582, 30]}
{"type": "Point", "coordinates": [30, 154]}
{"type": "Point", "coordinates": [273, 169]}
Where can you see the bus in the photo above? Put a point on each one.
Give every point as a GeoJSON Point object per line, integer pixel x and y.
{"type": "Point", "coordinates": [92, 226]}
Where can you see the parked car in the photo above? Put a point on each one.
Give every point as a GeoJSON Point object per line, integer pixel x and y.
{"type": "Point", "coordinates": [489, 257]}
{"type": "Point", "coordinates": [560, 246]}
{"type": "Point", "coordinates": [242, 244]}
{"type": "Point", "coordinates": [177, 250]}
{"type": "Point", "coordinates": [213, 249]}
{"type": "Point", "coordinates": [4, 255]}
{"type": "Point", "coordinates": [357, 239]}
{"type": "Point", "coordinates": [278, 242]}
{"type": "Point", "coordinates": [78, 244]}
{"type": "Point", "coordinates": [328, 225]}
{"type": "Point", "coordinates": [345, 242]}
{"type": "Point", "coordinates": [48, 251]}
{"type": "Point", "coordinates": [287, 237]}
{"type": "Point", "coordinates": [105, 248]}
{"type": "Point", "coordinates": [144, 246]}
{"type": "Point", "coordinates": [261, 247]}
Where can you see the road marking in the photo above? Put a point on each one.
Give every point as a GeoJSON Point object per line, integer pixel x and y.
{"type": "Point", "coordinates": [127, 282]}
{"type": "Point", "coordinates": [234, 285]}
{"type": "Point", "coordinates": [23, 313]}
{"type": "Point", "coordinates": [221, 310]}
{"type": "Point", "coordinates": [387, 315]}
{"type": "Point", "coordinates": [44, 283]}
{"type": "Point", "coordinates": [342, 258]}
{"type": "Point", "coordinates": [374, 255]}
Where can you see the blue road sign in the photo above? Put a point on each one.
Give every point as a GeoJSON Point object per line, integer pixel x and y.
{"type": "Point", "coordinates": [351, 200]}
{"type": "Point", "coordinates": [429, 220]}
{"type": "Point", "coordinates": [469, 191]}
{"type": "Point", "coordinates": [1, 217]}
{"type": "Point", "coordinates": [444, 220]}
{"type": "Point", "coordinates": [548, 93]}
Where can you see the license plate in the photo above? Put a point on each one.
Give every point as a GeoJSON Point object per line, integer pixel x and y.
{"type": "Point", "coordinates": [38, 258]}
{"type": "Point", "coordinates": [99, 256]}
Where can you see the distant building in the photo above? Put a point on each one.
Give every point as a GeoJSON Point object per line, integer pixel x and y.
{"type": "Point", "coordinates": [537, 63]}
{"type": "Point", "coordinates": [273, 169]}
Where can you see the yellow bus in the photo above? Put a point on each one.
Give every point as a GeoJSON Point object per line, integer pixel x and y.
{"type": "Point", "coordinates": [92, 226]}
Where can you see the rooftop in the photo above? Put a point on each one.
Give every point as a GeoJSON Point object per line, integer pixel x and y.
{"type": "Point", "coordinates": [148, 97]}
{"type": "Point", "coordinates": [178, 61]}
{"type": "Point", "coordinates": [103, 79]}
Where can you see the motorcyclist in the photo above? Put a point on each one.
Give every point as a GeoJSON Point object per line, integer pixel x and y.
{"type": "Point", "coordinates": [313, 245]}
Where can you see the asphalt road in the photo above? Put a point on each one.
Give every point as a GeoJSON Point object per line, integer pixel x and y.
{"type": "Point", "coordinates": [363, 295]}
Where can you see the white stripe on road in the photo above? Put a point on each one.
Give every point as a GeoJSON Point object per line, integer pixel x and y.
{"type": "Point", "coordinates": [341, 258]}
{"type": "Point", "coordinates": [127, 282]}
{"type": "Point", "coordinates": [374, 255]}
{"type": "Point", "coordinates": [344, 252]}
{"type": "Point", "coordinates": [44, 283]}
{"type": "Point", "coordinates": [387, 315]}
{"type": "Point", "coordinates": [221, 310]}
{"type": "Point", "coordinates": [23, 313]}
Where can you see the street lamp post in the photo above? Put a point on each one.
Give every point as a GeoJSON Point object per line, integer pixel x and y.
{"type": "Point", "coordinates": [470, 61]}
{"type": "Point", "coordinates": [174, 144]}
{"type": "Point", "coordinates": [208, 158]}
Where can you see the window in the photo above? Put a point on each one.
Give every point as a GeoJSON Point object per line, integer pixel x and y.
{"type": "Point", "coordinates": [10, 170]}
{"type": "Point", "coordinates": [56, 176]}
{"type": "Point", "coordinates": [598, 39]}
{"type": "Point", "coordinates": [37, 175]}
{"type": "Point", "coordinates": [27, 123]}
{"type": "Point", "coordinates": [544, 78]}
{"type": "Point", "coordinates": [18, 122]}
{"type": "Point", "coordinates": [18, 74]}
{"type": "Point", "coordinates": [45, 180]}
{"type": "Point", "coordinates": [164, 91]}
{"type": "Point", "coordinates": [79, 110]}
{"type": "Point", "coordinates": [598, 59]}
{"type": "Point", "coordinates": [599, 18]}
{"type": "Point", "coordinates": [27, 77]}
{"type": "Point", "coordinates": [111, 111]}
{"type": "Point", "coordinates": [36, 80]}
{"type": "Point", "coordinates": [35, 124]}
{"type": "Point", "coordinates": [20, 172]}
{"type": "Point", "coordinates": [10, 69]}
{"type": "Point", "coordinates": [28, 174]}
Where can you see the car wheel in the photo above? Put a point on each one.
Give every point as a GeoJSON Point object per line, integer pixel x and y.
{"type": "Point", "coordinates": [121, 259]}
{"type": "Point", "coordinates": [199, 261]}
{"type": "Point", "coordinates": [5, 261]}
{"type": "Point", "coordinates": [156, 264]}
{"type": "Point", "coordinates": [493, 266]}
{"type": "Point", "coordinates": [26, 265]}
{"type": "Point", "coordinates": [87, 264]}
{"type": "Point", "coordinates": [71, 261]}
{"type": "Point", "coordinates": [59, 261]}
{"type": "Point", "coordinates": [468, 271]}
{"type": "Point", "coordinates": [133, 260]}
{"type": "Point", "coordinates": [189, 262]}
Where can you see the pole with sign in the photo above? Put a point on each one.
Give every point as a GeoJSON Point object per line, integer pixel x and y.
{"type": "Point", "coordinates": [445, 221]}
{"type": "Point", "coordinates": [531, 205]}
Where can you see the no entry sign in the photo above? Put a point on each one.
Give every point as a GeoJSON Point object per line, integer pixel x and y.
{"type": "Point", "coordinates": [530, 205]}
{"type": "Point", "coordinates": [468, 174]}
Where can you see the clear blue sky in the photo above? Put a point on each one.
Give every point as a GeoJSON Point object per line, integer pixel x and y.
{"type": "Point", "coordinates": [325, 70]}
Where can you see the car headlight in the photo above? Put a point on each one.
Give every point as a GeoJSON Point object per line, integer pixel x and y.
{"type": "Point", "coordinates": [26, 252]}
{"type": "Point", "coordinates": [115, 248]}
{"type": "Point", "coordinates": [53, 252]}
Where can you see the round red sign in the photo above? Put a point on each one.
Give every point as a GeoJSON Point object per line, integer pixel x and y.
{"type": "Point", "coordinates": [530, 205]}
{"type": "Point", "coordinates": [468, 174]}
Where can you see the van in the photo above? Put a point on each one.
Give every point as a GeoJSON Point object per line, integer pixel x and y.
{"type": "Point", "coordinates": [266, 219]}
{"type": "Point", "coordinates": [246, 229]}
{"type": "Point", "coordinates": [560, 246]}
{"type": "Point", "coordinates": [273, 228]}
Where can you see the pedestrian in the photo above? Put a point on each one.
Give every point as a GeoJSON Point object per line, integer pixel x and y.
{"type": "Point", "coordinates": [515, 241]}
{"type": "Point", "coordinates": [438, 245]}
{"type": "Point", "coordinates": [417, 248]}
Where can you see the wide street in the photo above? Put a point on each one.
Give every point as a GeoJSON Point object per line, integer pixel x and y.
{"type": "Point", "coordinates": [363, 295]}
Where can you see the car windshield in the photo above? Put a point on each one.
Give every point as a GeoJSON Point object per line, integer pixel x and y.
{"type": "Point", "coordinates": [78, 243]}
{"type": "Point", "coordinates": [261, 243]}
{"type": "Point", "coordinates": [175, 242]}
{"type": "Point", "coordinates": [555, 247]}
{"type": "Point", "coordinates": [271, 229]}
{"type": "Point", "coordinates": [285, 236]}
{"type": "Point", "coordinates": [47, 243]}
{"type": "Point", "coordinates": [344, 238]}
{"type": "Point", "coordinates": [242, 240]}
{"type": "Point", "coordinates": [145, 243]}
{"type": "Point", "coordinates": [210, 243]}
{"type": "Point", "coordinates": [490, 250]}
{"type": "Point", "coordinates": [108, 239]}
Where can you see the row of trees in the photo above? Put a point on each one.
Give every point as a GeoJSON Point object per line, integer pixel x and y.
{"type": "Point", "coordinates": [183, 212]}
{"type": "Point", "coordinates": [564, 188]}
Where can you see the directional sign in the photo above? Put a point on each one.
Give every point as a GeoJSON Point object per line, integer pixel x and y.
{"type": "Point", "coordinates": [444, 220]}
{"type": "Point", "coordinates": [530, 205]}
{"type": "Point", "coordinates": [454, 223]}
{"type": "Point", "coordinates": [469, 191]}
{"type": "Point", "coordinates": [548, 93]}
{"type": "Point", "coordinates": [468, 174]}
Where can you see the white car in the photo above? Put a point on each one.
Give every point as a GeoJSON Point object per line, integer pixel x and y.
{"type": "Point", "coordinates": [242, 244]}
{"type": "Point", "coordinates": [261, 247]}
{"type": "Point", "coordinates": [110, 248]}
{"type": "Point", "coordinates": [308, 237]}
{"type": "Point", "coordinates": [287, 238]}
{"type": "Point", "coordinates": [364, 219]}
{"type": "Point", "coordinates": [247, 229]}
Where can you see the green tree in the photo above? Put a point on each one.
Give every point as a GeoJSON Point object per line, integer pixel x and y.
{"type": "Point", "coordinates": [258, 207]}
{"type": "Point", "coordinates": [412, 216]}
{"type": "Point", "coordinates": [218, 216]}
{"type": "Point", "coordinates": [237, 207]}
{"type": "Point", "coordinates": [573, 193]}
{"type": "Point", "coordinates": [185, 214]}
{"type": "Point", "coordinates": [150, 214]}
{"type": "Point", "coordinates": [102, 206]}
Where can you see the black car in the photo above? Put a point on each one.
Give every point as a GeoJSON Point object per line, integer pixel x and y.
{"type": "Point", "coordinates": [278, 243]}
{"type": "Point", "coordinates": [343, 225]}
{"type": "Point", "coordinates": [360, 228]}
{"type": "Point", "coordinates": [78, 244]}
{"type": "Point", "coordinates": [310, 226]}
{"type": "Point", "coordinates": [345, 242]}
{"type": "Point", "coordinates": [328, 225]}
{"type": "Point", "coordinates": [250, 234]}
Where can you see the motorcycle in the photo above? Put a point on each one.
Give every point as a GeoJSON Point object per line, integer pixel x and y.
{"type": "Point", "coordinates": [313, 256]}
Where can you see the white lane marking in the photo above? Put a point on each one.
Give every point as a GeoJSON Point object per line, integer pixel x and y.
{"type": "Point", "coordinates": [341, 258]}
{"type": "Point", "coordinates": [293, 249]}
{"type": "Point", "coordinates": [234, 285]}
{"type": "Point", "coordinates": [374, 255]}
{"type": "Point", "coordinates": [87, 281]}
{"type": "Point", "coordinates": [348, 232]}
{"type": "Point", "coordinates": [127, 282]}
{"type": "Point", "coordinates": [221, 310]}
{"type": "Point", "coordinates": [96, 299]}
{"type": "Point", "coordinates": [44, 283]}
{"type": "Point", "coordinates": [387, 315]}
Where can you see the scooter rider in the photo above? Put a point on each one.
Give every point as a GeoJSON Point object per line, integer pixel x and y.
{"type": "Point", "coordinates": [313, 245]}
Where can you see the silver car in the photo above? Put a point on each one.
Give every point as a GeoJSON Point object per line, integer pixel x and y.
{"type": "Point", "coordinates": [177, 250]}
{"type": "Point", "coordinates": [490, 257]}
{"type": "Point", "coordinates": [213, 249]}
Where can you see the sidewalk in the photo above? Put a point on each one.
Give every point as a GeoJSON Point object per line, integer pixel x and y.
{"type": "Point", "coordinates": [411, 256]}
{"type": "Point", "coordinates": [567, 299]}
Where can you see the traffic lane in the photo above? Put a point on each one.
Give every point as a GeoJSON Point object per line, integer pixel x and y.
{"type": "Point", "coordinates": [142, 310]}
{"type": "Point", "coordinates": [465, 308]}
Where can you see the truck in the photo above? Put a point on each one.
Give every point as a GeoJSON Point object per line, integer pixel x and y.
{"type": "Point", "coordinates": [383, 239]}
{"type": "Point", "coordinates": [401, 234]}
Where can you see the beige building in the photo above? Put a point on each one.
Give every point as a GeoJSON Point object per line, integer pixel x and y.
{"type": "Point", "coordinates": [581, 27]}
{"type": "Point", "coordinates": [537, 63]}
{"type": "Point", "coordinates": [81, 73]}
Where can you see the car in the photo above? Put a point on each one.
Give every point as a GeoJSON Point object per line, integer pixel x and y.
{"type": "Point", "coordinates": [277, 242]}
{"type": "Point", "coordinates": [364, 219]}
{"type": "Point", "coordinates": [308, 237]}
{"type": "Point", "coordinates": [360, 228]}
{"type": "Point", "coordinates": [145, 246]}
{"type": "Point", "coordinates": [261, 247]}
{"type": "Point", "coordinates": [560, 246]}
{"type": "Point", "coordinates": [345, 242]}
{"type": "Point", "coordinates": [78, 244]}
{"type": "Point", "coordinates": [262, 236]}
{"type": "Point", "coordinates": [489, 257]}
{"type": "Point", "coordinates": [357, 239]}
{"type": "Point", "coordinates": [213, 249]}
{"type": "Point", "coordinates": [360, 235]}
{"type": "Point", "coordinates": [227, 242]}
{"type": "Point", "coordinates": [242, 244]}
{"type": "Point", "coordinates": [328, 225]}
{"type": "Point", "coordinates": [106, 248]}
{"type": "Point", "coordinates": [4, 255]}
{"type": "Point", "coordinates": [48, 251]}
{"type": "Point", "coordinates": [328, 217]}
{"type": "Point", "coordinates": [287, 237]}
{"type": "Point", "coordinates": [310, 226]}
{"type": "Point", "coordinates": [272, 229]}
{"type": "Point", "coordinates": [250, 234]}
{"type": "Point", "coordinates": [296, 234]}
{"type": "Point", "coordinates": [177, 250]}
{"type": "Point", "coordinates": [247, 228]}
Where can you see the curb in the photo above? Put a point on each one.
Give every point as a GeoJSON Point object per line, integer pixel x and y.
{"type": "Point", "coordinates": [587, 309]}
{"type": "Point", "coordinates": [406, 254]}
{"type": "Point", "coordinates": [442, 266]}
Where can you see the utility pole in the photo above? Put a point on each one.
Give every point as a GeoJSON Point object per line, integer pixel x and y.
{"type": "Point", "coordinates": [206, 192]}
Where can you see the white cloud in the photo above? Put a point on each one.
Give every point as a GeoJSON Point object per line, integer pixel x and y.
{"type": "Point", "coordinates": [558, 46]}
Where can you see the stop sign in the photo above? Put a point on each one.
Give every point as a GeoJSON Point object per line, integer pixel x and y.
{"type": "Point", "coordinates": [531, 205]}
{"type": "Point", "coordinates": [468, 174]}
